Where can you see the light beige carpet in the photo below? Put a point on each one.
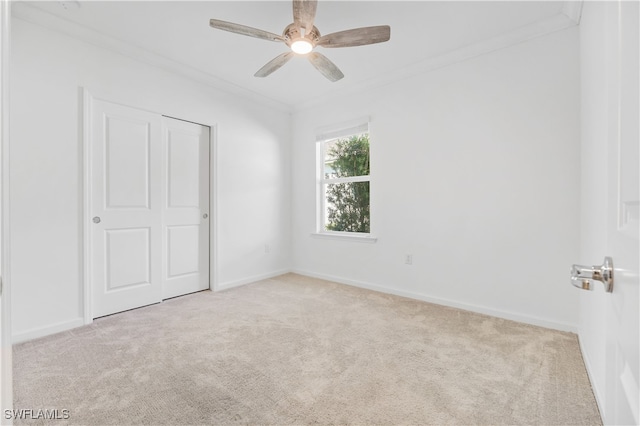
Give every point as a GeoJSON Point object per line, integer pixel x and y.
{"type": "Point", "coordinates": [300, 350]}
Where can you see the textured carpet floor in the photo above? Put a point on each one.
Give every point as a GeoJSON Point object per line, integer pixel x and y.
{"type": "Point", "coordinates": [297, 350]}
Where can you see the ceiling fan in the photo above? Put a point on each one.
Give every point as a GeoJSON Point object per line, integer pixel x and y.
{"type": "Point", "coordinates": [302, 37]}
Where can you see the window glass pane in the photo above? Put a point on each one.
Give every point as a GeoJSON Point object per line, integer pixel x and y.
{"type": "Point", "coordinates": [346, 157]}
{"type": "Point", "coordinates": [347, 207]}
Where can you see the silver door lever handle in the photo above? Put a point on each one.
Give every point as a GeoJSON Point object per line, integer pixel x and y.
{"type": "Point", "coordinates": [583, 276]}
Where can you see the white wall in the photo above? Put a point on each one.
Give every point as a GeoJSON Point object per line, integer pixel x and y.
{"type": "Point", "coordinates": [475, 172]}
{"type": "Point", "coordinates": [49, 70]}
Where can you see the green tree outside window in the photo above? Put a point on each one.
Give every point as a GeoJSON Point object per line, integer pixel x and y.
{"type": "Point", "coordinates": [348, 202]}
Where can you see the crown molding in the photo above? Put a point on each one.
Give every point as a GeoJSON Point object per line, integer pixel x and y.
{"type": "Point", "coordinates": [558, 22]}
{"type": "Point", "coordinates": [37, 16]}
{"type": "Point", "coordinates": [569, 16]}
{"type": "Point", "coordinates": [573, 10]}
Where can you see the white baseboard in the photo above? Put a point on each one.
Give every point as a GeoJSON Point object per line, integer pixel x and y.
{"type": "Point", "coordinates": [37, 332]}
{"type": "Point", "coordinates": [251, 279]}
{"type": "Point", "coordinates": [527, 319]}
{"type": "Point", "coordinates": [513, 316]}
{"type": "Point", "coordinates": [58, 327]}
{"type": "Point", "coordinates": [597, 390]}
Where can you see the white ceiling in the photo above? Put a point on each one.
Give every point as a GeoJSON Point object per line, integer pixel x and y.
{"type": "Point", "coordinates": [176, 34]}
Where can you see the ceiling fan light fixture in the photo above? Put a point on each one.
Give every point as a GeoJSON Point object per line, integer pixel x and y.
{"type": "Point", "coordinates": [301, 46]}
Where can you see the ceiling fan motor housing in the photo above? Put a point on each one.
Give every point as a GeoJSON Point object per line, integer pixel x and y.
{"type": "Point", "coordinates": [292, 33]}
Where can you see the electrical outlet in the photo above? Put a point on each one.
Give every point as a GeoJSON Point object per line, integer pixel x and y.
{"type": "Point", "coordinates": [408, 259]}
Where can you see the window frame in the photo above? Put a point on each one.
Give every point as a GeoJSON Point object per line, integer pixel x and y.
{"type": "Point", "coordinates": [324, 135]}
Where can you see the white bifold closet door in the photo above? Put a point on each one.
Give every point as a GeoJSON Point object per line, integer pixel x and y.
{"type": "Point", "coordinates": [149, 200]}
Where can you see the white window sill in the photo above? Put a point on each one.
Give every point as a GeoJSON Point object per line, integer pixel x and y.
{"type": "Point", "coordinates": [345, 237]}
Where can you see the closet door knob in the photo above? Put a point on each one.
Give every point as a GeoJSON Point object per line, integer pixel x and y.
{"type": "Point", "coordinates": [96, 219]}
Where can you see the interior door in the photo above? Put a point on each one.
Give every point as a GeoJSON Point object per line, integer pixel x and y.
{"type": "Point", "coordinates": [185, 212]}
{"type": "Point", "coordinates": [6, 373]}
{"type": "Point", "coordinates": [126, 208]}
{"type": "Point", "coordinates": [609, 322]}
{"type": "Point", "coordinates": [623, 218]}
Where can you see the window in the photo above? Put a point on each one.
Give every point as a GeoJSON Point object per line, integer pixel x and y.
{"type": "Point", "coordinates": [344, 182]}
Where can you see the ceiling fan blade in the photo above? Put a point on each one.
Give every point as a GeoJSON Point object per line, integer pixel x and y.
{"type": "Point", "coordinates": [356, 37]}
{"type": "Point", "coordinates": [325, 66]}
{"type": "Point", "coordinates": [244, 30]}
{"type": "Point", "coordinates": [304, 13]}
{"type": "Point", "coordinates": [274, 64]}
